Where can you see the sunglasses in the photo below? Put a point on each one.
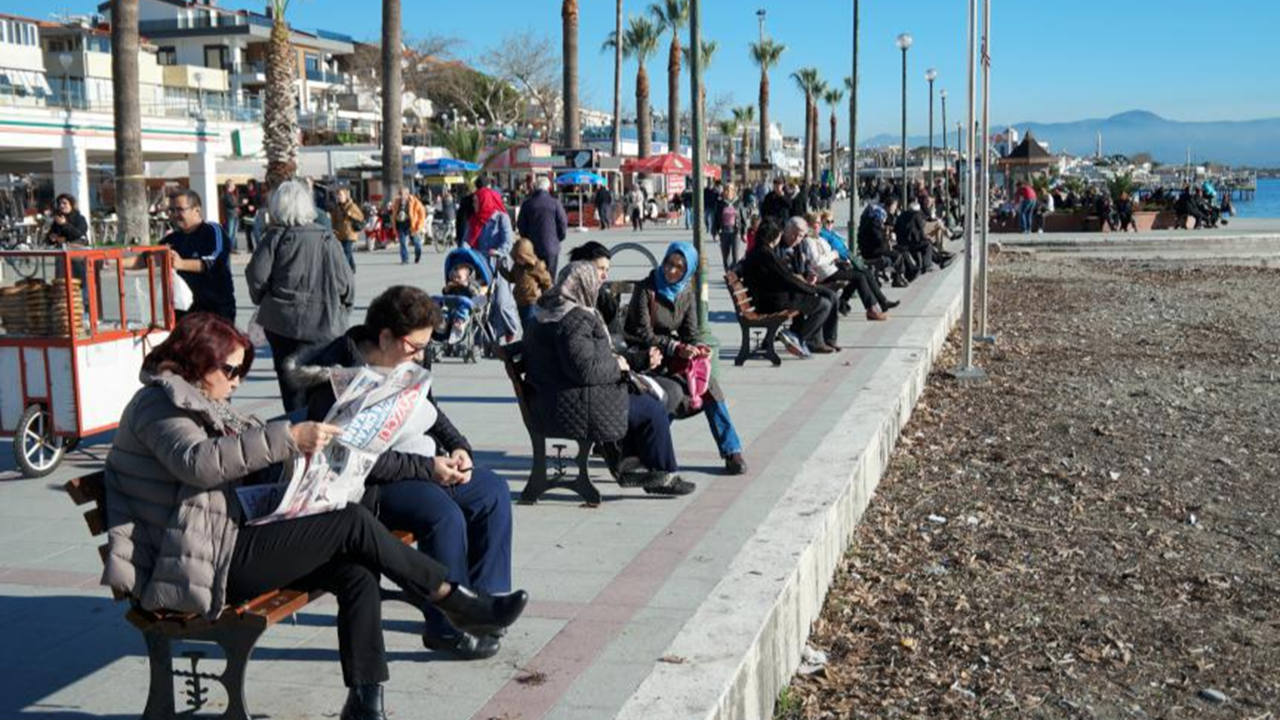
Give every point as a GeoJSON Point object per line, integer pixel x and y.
{"type": "Point", "coordinates": [233, 371]}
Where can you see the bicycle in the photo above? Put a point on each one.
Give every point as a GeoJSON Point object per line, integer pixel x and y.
{"type": "Point", "coordinates": [18, 236]}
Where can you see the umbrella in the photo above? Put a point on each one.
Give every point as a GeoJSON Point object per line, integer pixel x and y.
{"type": "Point", "coordinates": [446, 166]}
{"type": "Point", "coordinates": [579, 177]}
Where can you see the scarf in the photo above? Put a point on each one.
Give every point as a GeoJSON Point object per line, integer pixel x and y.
{"type": "Point", "coordinates": [670, 291]}
{"type": "Point", "coordinates": [231, 422]}
{"type": "Point", "coordinates": [487, 203]}
{"type": "Point", "coordinates": [578, 287]}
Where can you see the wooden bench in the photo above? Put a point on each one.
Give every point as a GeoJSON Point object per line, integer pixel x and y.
{"type": "Point", "coordinates": [236, 630]}
{"type": "Point", "coordinates": [749, 319]}
{"type": "Point", "coordinates": [538, 484]}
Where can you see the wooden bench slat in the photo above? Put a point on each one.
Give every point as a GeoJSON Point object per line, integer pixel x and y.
{"type": "Point", "coordinates": [96, 520]}
{"type": "Point", "coordinates": [87, 489]}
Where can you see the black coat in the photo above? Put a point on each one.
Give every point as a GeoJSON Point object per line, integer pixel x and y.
{"type": "Point", "coordinates": [74, 231]}
{"type": "Point", "coordinates": [544, 222]}
{"type": "Point", "coordinates": [313, 370]}
{"type": "Point", "coordinates": [577, 388]}
{"type": "Point", "coordinates": [910, 230]}
{"type": "Point", "coordinates": [773, 287]}
{"type": "Point", "coordinates": [776, 206]}
{"type": "Point", "coordinates": [873, 239]}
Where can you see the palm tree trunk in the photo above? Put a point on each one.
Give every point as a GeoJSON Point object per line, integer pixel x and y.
{"type": "Point", "coordinates": [833, 148]}
{"type": "Point", "coordinates": [131, 191]}
{"type": "Point", "coordinates": [643, 128]}
{"type": "Point", "coordinates": [392, 99]}
{"type": "Point", "coordinates": [732, 166]}
{"type": "Point", "coordinates": [808, 136]}
{"type": "Point", "coordinates": [617, 89]}
{"type": "Point", "coordinates": [764, 117]}
{"type": "Point", "coordinates": [746, 155]}
{"type": "Point", "coordinates": [572, 129]}
{"type": "Point", "coordinates": [673, 95]}
{"type": "Point", "coordinates": [279, 109]}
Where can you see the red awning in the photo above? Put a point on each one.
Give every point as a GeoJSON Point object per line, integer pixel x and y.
{"type": "Point", "coordinates": [668, 164]}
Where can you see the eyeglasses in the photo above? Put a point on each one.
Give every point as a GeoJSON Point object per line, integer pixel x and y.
{"type": "Point", "coordinates": [414, 348]}
{"type": "Point", "coordinates": [233, 371]}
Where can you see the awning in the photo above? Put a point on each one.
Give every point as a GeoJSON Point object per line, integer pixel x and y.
{"type": "Point", "coordinates": [24, 82]}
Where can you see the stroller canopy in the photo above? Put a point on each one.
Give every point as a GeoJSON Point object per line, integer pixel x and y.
{"type": "Point", "coordinates": [471, 257]}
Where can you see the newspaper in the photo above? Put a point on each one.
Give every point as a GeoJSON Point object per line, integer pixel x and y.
{"type": "Point", "coordinates": [371, 409]}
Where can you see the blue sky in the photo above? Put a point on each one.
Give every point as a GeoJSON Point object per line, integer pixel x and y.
{"type": "Point", "coordinates": [1060, 61]}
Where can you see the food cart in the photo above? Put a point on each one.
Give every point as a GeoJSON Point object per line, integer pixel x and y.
{"type": "Point", "coordinates": [75, 326]}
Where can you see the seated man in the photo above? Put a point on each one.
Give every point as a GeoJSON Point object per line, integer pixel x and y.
{"type": "Point", "coordinates": [813, 260]}
{"type": "Point", "coordinates": [935, 230]}
{"type": "Point", "coordinates": [874, 245]}
{"type": "Point", "coordinates": [910, 231]}
{"type": "Point", "coordinates": [774, 288]}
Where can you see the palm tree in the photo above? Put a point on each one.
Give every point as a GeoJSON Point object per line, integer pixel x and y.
{"type": "Point", "coordinates": [729, 129]}
{"type": "Point", "coordinates": [807, 80]}
{"type": "Point", "coordinates": [279, 107]}
{"type": "Point", "coordinates": [569, 23]}
{"type": "Point", "coordinates": [832, 97]}
{"type": "Point", "coordinates": [617, 86]}
{"type": "Point", "coordinates": [392, 99]}
{"type": "Point", "coordinates": [672, 15]}
{"type": "Point", "coordinates": [815, 136]}
{"type": "Point", "coordinates": [766, 55]}
{"type": "Point", "coordinates": [745, 116]}
{"type": "Point", "coordinates": [131, 192]}
{"type": "Point", "coordinates": [640, 41]}
{"type": "Point", "coordinates": [709, 48]}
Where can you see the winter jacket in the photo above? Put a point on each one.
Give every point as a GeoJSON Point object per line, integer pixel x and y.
{"type": "Point", "coordinates": [313, 370]}
{"type": "Point", "coordinates": [653, 321]}
{"type": "Point", "coordinates": [909, 229]}
{"type": "Point", "coordinates": [528, 275]}
{"type": "Point", "coordinates": [873, 239]}
{"type": "Point", "coordinates": [75, 231]}
{"type": "Point", "coordinates": [343, 217]}
{"type": "Point", "coordinates": [417, 214]}
{"type": "Point", "coordinates": [543, 220]}
{"type": "Point", "coordinates": [577, 387]}
{"type": "Point", "coordinates": [773, 287]}
{"type": "Point", "coordinates": [171, 510]}
{"type": "Point", "coordinates": [776, 206]}
{"type": "Point", "coordinates": [301, 282]}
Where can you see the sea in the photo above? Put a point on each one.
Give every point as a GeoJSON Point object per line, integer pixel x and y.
{"type": "Point", "coordinates": [1265, 203]}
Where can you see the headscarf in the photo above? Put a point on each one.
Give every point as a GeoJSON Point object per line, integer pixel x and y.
{"type": "Point", "coordinates": [668, 290]}
{"type": "Point", "coordinates": [487, 203]}
{"type": "Point", "coordinates": [577, 287]}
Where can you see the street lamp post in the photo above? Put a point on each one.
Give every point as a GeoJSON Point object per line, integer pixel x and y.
{"type": "Point", "coordinates": [853, 131]}
{"type": "Point", "coordinates": [984, 335]}
{"type": "Point", "coordinates": [904, 44]}
{"type": "Point", "coordinates": [760, 16]}
{"type": "Point", "coordinates": [699, 151]}
{"type": "Point", "coordinates": [64, 59]}
{"type": "Point", "coordinates": [967, 371]}
{"type": "Point", "coordinates": [946, 173]}
{"type": "Point", "coordinates": [930, 75]}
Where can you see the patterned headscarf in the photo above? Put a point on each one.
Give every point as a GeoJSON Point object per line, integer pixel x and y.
{"type": "Point", "coordinates": [577, 287]}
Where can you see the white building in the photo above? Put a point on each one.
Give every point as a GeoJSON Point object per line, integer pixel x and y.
{"type": "Point", "coordinates": [22, 74]}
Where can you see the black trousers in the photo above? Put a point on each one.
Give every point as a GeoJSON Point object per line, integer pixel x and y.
{"type": "Point", "coordinates": [292, 395]}
{"type": "Point", "coordinates": [818, 317]}
{"type": "Point", "coordinates": [864, 283]}
{"type": "Point", "coordinates": [920, 259]}
{"type": "Point", "coordinates": [343, 553]}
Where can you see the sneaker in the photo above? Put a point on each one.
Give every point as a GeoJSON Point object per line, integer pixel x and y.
{"type": "Point", "coordinates": [794, 345]}
{"type": "Point", "coordinates": [876, 315]}
{"type": "Point", "coordinates": [630, 472]}
{"type": "Point", "coordinates": [457, 331]}
{"type": "Point", "coordinates": [943, 263]}
{"type": "Point", "coordinates": [735, 465]}
{"type": "Point", "coordinates": [665, 483]}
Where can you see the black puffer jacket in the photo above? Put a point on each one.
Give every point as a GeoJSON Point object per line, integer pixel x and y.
{"type": "Point", "coordinates": [577, 387]}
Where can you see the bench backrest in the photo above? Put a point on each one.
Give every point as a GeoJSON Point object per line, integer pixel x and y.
{"type": "Point", "coordinates": [92, 488]}
{"type": "Point", "coordinates": [741, 298]}
{"type": "Point", "coordinates": [512, 357]}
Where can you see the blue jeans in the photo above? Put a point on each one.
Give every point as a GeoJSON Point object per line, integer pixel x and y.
{"type": "Point", "coordinates": [688, 218]}
{"type": "Point", "coordinates": [649, 434]}
{"type": "Point", "coordinates": [1026, 215]}
{"type": "Point", "coordinates": [230, 228]}
{"type": "Point", "coordinates": [726, 437]}
{"type": "Point", "coordinates": [405, 238]}
{"type": "Point", "coordinates": [349, 251]}
{"type": "Point", "coordinates": [466, 527]}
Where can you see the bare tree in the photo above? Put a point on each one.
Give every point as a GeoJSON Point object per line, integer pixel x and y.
{"type": "Point", "coordinates": [531, 64]}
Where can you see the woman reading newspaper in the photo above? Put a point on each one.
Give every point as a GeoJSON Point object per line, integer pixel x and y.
{"type": "Point", "coordinates": [426, 482]}
{"type": "Point", "coordinates": [178, 539]}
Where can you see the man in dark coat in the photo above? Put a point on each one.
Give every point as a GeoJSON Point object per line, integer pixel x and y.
{"type": "Point", "coordinates": [776, 206]}
{"type": "Point", "coordinates": [544, 221]}
{"type": "Point", "coordinates": [603, 201]}
{"type": "Point", "coordinates": [774, 288]}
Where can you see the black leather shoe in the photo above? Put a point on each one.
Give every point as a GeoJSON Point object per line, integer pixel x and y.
{"type": "Point", "coordinates": [891, 304]}
{"type": "Point", "coordinates": [665, 483]}
{"type": "Point", "coordinates": [364, 702]}
{"type": "Point", "coordinates": [735, 465]}
{"type": "Point", "coordinates": [481, 613]}
{"type": "Point", "coordinates": [464, 645]}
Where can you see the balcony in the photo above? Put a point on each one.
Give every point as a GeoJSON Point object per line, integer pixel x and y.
{"type": "Point", "coordinates": [317, 75]}
{"type": "Point", "coordinates": [195, 78]}
{"type": "Point", "coordinates": [248, 73]}
{"type": "Point", "coordinates": [177, 25]}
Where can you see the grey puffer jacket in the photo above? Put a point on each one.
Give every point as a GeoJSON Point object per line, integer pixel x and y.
{"type": "Point", "coordinates": [171, 511]}
{"type": "Point", "coordinates": [577, 387]}
{"type": "Point", "coordinates": [300, 280]}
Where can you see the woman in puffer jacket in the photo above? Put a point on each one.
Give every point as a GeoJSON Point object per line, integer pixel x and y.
{"type": "Point", "coordinates": [177, 537]}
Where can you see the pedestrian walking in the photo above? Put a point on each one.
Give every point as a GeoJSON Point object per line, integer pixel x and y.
{"type": "Point", "coordinates": [603, 202]}
{"type": "Point", "coordinates": [347, 221]}
{"type": "Point", "coordinates": [410, 219]}
{"type": "Point", "coordinates": [544, 221]}
{"type": "Point", "coordinates": [201, 256]}
{"type": "Point", "coordinates": [230, 206]}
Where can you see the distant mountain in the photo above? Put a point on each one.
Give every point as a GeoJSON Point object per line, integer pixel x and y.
{"type": "Point", "coordinates": [1249, 142]}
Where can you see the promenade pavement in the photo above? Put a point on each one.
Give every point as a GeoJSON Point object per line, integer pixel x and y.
{"type": "Point", "coordinates": [644, 607]}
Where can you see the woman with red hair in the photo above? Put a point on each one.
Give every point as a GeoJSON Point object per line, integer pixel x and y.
{"type": "Point", "coordinates": [489, 233]}
{"type": "Point", "coordinates": [177, 536]}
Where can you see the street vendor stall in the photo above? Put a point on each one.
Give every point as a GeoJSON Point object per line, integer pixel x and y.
{"type": "Point", "coordinates": [579, 184]}
{"type": "Point", "coordinates": [76, 325]}
{"type": "Point", "coordinates": [671, 169]}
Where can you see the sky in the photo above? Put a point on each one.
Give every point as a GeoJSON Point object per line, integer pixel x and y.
{"type": "Point", "coordinates": [1051, 62]}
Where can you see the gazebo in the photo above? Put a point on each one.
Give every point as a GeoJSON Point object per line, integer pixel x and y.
{"type": "Point", "coordinates": [672, 167]}
{"type": "Point", "coordinates": [1028, 158]}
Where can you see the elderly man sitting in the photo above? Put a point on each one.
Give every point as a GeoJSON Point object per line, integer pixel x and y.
{"type": "Point", "coordinates": [774, 288]}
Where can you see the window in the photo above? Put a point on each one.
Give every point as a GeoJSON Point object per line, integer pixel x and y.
{"type": "Point", "coordinates": [167, 55]}
{"type": "Point", "coordinates": [312, 62]}
{"type": "Point", "coordinates": [216, 56]}
{"type": "Point", "coordinates": [4, 31]}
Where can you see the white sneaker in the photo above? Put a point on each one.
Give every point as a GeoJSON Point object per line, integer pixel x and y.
{"type": "Point", "coordinates": [794, 345]}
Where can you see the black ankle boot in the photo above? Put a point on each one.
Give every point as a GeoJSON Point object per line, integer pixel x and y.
{"type": "Point", "coordinates": [364, 702]}
{"type": "Point", "coordinates": [481, 613]}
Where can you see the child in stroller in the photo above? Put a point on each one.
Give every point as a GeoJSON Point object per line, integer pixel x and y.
{"type": "Point", "coordinates": [465, 333]}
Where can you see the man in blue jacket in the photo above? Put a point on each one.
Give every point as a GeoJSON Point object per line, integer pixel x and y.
{"type": "Point", "coordinates": [201, 255]}
{"type": "Point", "coordinates": [544, 221]}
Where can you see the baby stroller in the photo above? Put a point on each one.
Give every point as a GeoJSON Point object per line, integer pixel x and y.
{"type": "Point", "coordinates": [466, 333]}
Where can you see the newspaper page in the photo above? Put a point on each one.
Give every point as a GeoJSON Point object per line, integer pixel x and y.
{"type": "Point", "coordinates": [371, 409]}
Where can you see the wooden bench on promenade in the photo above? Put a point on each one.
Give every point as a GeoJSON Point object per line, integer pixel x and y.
{"type": "Point", "coordinates": [236, 630]}
{"type": "Point", "coordinates": [749, 319]}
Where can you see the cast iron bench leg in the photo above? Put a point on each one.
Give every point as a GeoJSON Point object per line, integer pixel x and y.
{"type": "Point", "coordinates": [238, 645]}
{"type": "Point", "coordinates": [745, 351]}
{"type": "Point", "coordinates": [770, 351]}
{"type": "Point", "coordinates": [160, 694]}
{"type": "Point", "coordinates": [582, 485]}
{"type": "Point", "coordinates": [537, 484]}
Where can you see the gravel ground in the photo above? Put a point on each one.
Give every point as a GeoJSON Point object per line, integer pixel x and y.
{"type": "Point", "coordinates": [1093, 533]}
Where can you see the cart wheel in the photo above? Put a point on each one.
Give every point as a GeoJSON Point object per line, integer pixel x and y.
{"type": "Point", "coordinates": [38, 451]}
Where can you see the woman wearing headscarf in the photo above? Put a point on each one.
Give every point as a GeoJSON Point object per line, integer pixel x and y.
{"type": "Point", "coordinates": [661, 331]}
{"type": "Point", "coordinates": [489, 233]}
{"type": "Point", "coordinates": [580, 387]}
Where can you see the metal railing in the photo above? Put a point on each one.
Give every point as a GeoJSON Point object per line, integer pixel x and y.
{"type": "Point", "coordinates": [192, 108]}
{"type": "Point", "coordinates": [320, 75]}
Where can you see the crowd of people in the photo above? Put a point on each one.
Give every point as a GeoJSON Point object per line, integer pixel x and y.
{"type": "Point", "coordinates": [609, 374]}
{"type": "Point", "coordinates": [1115, 210]}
